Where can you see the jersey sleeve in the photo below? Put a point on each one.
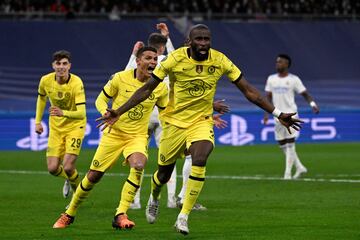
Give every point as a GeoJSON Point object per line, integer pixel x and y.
{"type": "Point", "coordinates": [163, 100]}
{"type": "Point", "coordinates": [41, 88]}
{"type": "Point", "coordinates": [80, 94]}
{"type": "Point", "coordinates": [299, 86]}
{"type": "Point", "coordinates": [169, 46]}
{"type": "Point", "coordinates": [230, 69]}
{"type": "Point", "coordinates": [111, 89]}
{"type": "Point", "coordinates": [106, 94]}
{"type": "Point", "coordinates": [165, 66]}
{"type": "Point", "coordinates": [132, 63]}
{"type": "Point", "coordinates": [40, 107]}
{"type": "Point", "coordinates": [41, 102]}
{"type": "Point", "coordinates": [267, 85]}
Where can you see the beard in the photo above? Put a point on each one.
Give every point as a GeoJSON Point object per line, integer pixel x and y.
{"type": "Point", "coordinates": [199, 56]}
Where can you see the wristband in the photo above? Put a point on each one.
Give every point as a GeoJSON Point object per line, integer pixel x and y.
{"type": "Point", "coordinates": [276, 113]}
{"type": "Point", "coordinates": [312, 104]}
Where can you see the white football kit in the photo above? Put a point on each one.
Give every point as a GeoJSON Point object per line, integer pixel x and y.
{"type": "Point", "coordinates": [283, 91]}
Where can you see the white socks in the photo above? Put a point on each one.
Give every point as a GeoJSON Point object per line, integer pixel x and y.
{"type": "Point", "coordinates": [185, 174]}
{"type": "Point", "coordinates": [171, 186]}
{"type": "Point", "coordinates": [291, 158]}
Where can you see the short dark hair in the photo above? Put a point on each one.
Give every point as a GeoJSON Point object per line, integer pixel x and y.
{"type": "Point", "coordinates": [58, 55]}
{"type": "Point", "coordinates": [157, 40]}
{"type": "Point", "coordinates": [144, 49]}
{"type": "Point", "coordinates": [287, 57]}
{"type": "Point", "coordinates": [198, 26]}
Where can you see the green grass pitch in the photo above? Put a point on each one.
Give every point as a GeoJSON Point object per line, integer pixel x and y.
{"type": "Point", "coordinates": [244, 193]}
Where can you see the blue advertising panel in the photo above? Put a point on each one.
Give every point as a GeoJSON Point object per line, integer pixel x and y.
{"type": "Point", "coordinates": [244, 128]}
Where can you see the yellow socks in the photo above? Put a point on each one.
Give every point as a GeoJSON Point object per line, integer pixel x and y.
{"type": "Point", "coordinates": [74, 180]}
{"type": "Point", "coordinates": [82, 192]}
{"type": "Point", "coordinates": [60, 172]}
{"type": "Point", "coordinates": [155, 186]}
{"type": "Point", "coordinates": [193, 188]}
{"type": "Point", "coordinates": [129, 189]}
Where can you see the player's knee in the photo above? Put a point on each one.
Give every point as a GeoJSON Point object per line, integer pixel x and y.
{"type": "Point", "coordinates": [139, 165]}
{"type": "Point", "coordinates": [163, 177]}
{"type": "Point", "coordinates": [199, 161]}
{"type": "Point", "coordinates": [53, 169]}
{"type": "Point", "coordinates": [94, 176]}
{"type": "Point", "coordinates": [68, 170]}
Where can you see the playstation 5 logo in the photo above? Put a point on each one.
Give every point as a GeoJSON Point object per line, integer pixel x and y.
{"type": "Point", "coordinates": [34, 142]}
{"type": "Point", "coordinates": [238, 135]}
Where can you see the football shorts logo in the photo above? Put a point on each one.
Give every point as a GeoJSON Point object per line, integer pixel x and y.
{"type": "Point", "coordinates": [162, 158]}
{"type": "Point", "coordinates": [96, 163]}
{"type": "Point", "coordinates": [211, 69]}
{"type": "Point", "coordinates": [199, 68]}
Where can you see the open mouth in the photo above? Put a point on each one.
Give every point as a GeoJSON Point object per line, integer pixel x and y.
{"type": "Point", "coordinates": [150, 69]}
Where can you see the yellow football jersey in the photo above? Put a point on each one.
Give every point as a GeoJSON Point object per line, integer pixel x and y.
{"type": "Point", "coordinates": [65, 96]}
{"type": "Point", "coordinates": [120, 88]}
{"type": "Point", "coordinates": [192, 85]}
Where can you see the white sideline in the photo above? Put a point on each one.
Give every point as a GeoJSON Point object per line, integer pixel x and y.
{"type": "Point", "coordinates": [236, 177]}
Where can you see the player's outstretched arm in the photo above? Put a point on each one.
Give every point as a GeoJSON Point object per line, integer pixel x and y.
{"type": "Point", "coordinates": [266, 114]}
{"type": "Point", "coordinates": [254, 96]}
{"type": "Point", "coordinates": [140, 95]}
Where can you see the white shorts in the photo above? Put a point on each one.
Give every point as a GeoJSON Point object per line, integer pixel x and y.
{"type": "Point", "coordinates": [281, 133]}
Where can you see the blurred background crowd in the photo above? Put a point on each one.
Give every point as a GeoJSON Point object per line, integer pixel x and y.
{"type": "Point", "coordinates": [206, 8]}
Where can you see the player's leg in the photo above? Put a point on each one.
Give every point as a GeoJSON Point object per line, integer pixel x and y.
{"type": "Point", "coordinates": [281, 135]}
{"type": "Point", "coordinates": [81, 193]}
{"type": "Point", "coordinates": [70, 170]}
{"type": "Point", "coordinates": [108, 151]}
{"type": "Point", "coordinates": [172, 146]}
{"type": "Point", "coordinates": [171, 189]}
{"type": "Point", "coordinates": [72, 151]}
{"type": "Point", "coordinates": [54, 154]}
{"type": "Point", "coordinates": [200, 142]}
{"type": "Point", "coordinates": [300, 168]}
{"type": "Point", "coordinates": [200, 152]}
{"type": "Point", "coordinates": [185, 174]}
{"type": "Point", "coordinates": [171, 184]}
{"type": "Point", "coordinates": [135, 153]}
{"type": "Point", "coordinates": [289, 161]}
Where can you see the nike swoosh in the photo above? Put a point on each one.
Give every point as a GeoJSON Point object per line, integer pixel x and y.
{"type": "Point", "coordinates": [128, 91]}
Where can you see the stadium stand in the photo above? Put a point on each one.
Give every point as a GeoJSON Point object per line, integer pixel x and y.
{"type": "Point", "coordinates": [324, 54]}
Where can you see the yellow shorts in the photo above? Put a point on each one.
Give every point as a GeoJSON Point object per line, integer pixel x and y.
{"type": "Point", "coordinates": [112, 144]}
{"type": "Point", "coordinates": [60, 143]}
{"type": "Point", "coordinates": [175, 140]}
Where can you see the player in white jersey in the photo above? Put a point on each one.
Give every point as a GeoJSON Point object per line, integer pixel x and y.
{"type": "Point", "coordinates": [281, 88]}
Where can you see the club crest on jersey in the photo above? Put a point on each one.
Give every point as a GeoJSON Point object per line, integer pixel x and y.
{"type": "Point", "coordinates": [60, 94]}
{"type": "Point", "coordinates": [211, 69]}
{"type": "Point", "coordinates": [199, 68]}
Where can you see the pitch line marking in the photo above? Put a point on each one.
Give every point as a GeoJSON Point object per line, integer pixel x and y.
{"type": "Point", "coordinates": [236, 177]}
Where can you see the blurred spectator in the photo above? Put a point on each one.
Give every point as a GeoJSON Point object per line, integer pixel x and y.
{"type": "Point", "coordinates": [205, 7]}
